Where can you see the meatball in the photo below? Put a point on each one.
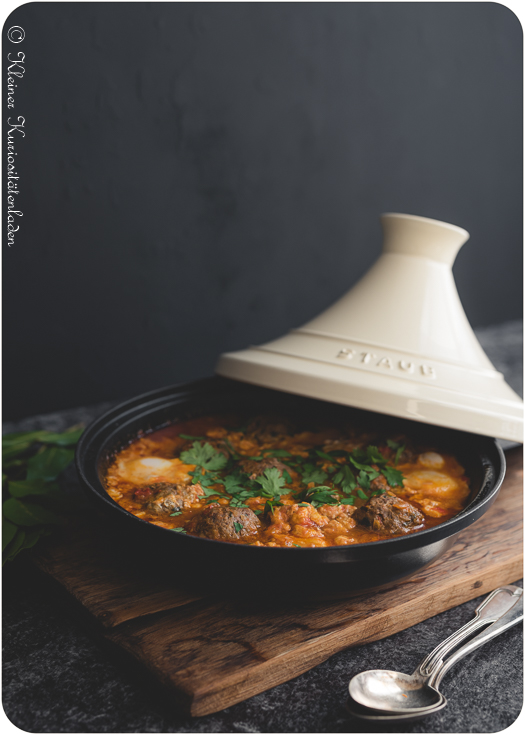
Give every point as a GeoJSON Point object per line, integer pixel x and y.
{"type": "Point", "coordinates": [223, 523]}
{"type": "Point", "coordinates": [388, 514]}
{"type": "Point", "coordinates": [168, 498]}
{"type": "Point", "coordinates": [255, 468]}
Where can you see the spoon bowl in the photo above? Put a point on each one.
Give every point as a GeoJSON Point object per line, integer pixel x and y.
{"type": "Point", "coordinates": [389, 691]}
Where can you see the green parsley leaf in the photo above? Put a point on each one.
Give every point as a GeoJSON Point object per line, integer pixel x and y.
{"type": "Point", "coordinates": [238, 527]}
{"type": "Point", "coordinates": [361, 465]}
{"type": "Point", "coordinates": [298, 546]}
{"type": "Point", "coordinates": [375, 456]}
{"type": "Point", "coordinates": [272, 482]}
{"type": "Point", "coordinates": [362, 494]}
{"type": "Point", "coordinates": [179, 530]}
{"type": "Point", "coordinates": [313, 474]}
{"type": "Point", "coordinates": [177, 513]}
{"type": "Point", "coordinates": [204, 456]}
{"type": "Point", "coordinates": [393, 477]}
{"type": "Point", "coordinates": [324, 455]}
{"type": "Point", "coordinates": [363, 480]}
{"type": "Point", "coordinates": [287, 477]}
{"type": "Point", "coordinates": [271, 504]}
{"type": "Point", "coordinates": [399, 453]}
{"type": "Point", "coordinates": [192, 438]}
{"type": "Point", "coordinates": [233, 483]}
{"type": "Point", "coordinates": [348, 501]}
{"type": "Point", "coordinates": [392, 444]}
{"type": "Point", "coordinates": [348, 483]}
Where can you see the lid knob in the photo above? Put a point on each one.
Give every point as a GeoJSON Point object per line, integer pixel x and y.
{"type": "Point", "coordinates": [428, 238]}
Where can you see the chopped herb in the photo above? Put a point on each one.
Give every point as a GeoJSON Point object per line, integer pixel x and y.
{"type": "Point", "coordinates": [392, 444]}
{"type": "Point", "coordinates": [272, 482]}
{"type": "Point", "coordinates": [313, 474]}
{"type": "Point", "coordinates": [192, 438]}
{"type": "Point", "coordinates": [238, 527]}
{"type": "Point", "coordinates": [362, 494]}
{"type": "Point", "coordinates": [324, 455]}
{"type": "Point", "coordinates": [393, 477]}
{"type": "Point", "coordinates": [399, 453]}
{"type": "Point", "coordinates": [205, 456]}
{"type": "Point", "coordinates": [363, 480]}
{"type": "Point", "coordinates": [179, 530]}
{"type": "Point", "coordinates": [298, 546]}
{"type": "Point", "coordinates": [177, 513]}
{"type": "Point", "coordinates": [348, 501]}
{"type": "Point", "coordinates": [287, 477]}
{"type": "Point", "coordinates": [233, 483]}
{"type": "Point", "coordinates": [271, 504]}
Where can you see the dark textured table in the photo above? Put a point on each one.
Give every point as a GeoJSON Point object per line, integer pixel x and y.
{"type": "Point", "coordinates": [60, 676]}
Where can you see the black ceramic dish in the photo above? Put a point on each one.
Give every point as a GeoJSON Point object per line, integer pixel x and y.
{"type": "Point", "coordinates": [332, 571]}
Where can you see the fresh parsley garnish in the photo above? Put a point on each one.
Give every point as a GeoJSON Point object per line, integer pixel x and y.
{"type": "Point", "coordinates": [271, 482]}
{"type": "Point", "coordinates": [179, 530]}
{"type": "Point", "coordinates": [393, 477]}
{"type": "Point", "coordinates": [177, 513]}
{"type": "Point", "coordinates": [311, 473]}
{"type": "Point", "coordinates": [238, 526]}
{"type": "Point", "coordinates": [192, 438]}
{"type": "Point", "coordinates": [205, 456]}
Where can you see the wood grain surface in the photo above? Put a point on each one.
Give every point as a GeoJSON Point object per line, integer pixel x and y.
{"type": "Point", "coordinates": [213, 653]}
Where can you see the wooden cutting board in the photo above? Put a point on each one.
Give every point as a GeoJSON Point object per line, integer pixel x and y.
{"type": "Point", "coordinates": [213, 652]}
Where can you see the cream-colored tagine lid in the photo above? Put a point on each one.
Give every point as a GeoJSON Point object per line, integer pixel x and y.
{"type": "Point", "coordinates": [397, 343]}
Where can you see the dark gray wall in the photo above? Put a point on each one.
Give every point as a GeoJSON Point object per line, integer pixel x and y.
{"type": "Point", "coordinates": [197, 177]}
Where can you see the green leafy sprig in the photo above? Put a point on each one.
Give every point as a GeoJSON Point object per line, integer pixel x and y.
{"type": "Point", "coordinates": [32, 462]}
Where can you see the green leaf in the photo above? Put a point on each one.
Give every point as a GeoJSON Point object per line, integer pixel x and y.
{"type": "Point", "coordinates": [276, 453]}
{"type": "Point", "coordinates": [24, 513]}
{"type": "Point", "coordinates": [399, 453]}
{"type": "Point", "coordinates": [363, 480]}
{"type": "Point", "coordinates": [10, 452]}
{"type": "Point", "coordinates": [271, 504]}
{"type": "Point", "coordinates": [348, 501]}
{"type": "Point", "coordinates": [360, 465]}
{"type": "Point", "coordinates": [375, 456]}
{"type": "Point", "coordinates": [24, 488]}
{"type": "Point", "coordinates": [48, 464]}
{"type": "Point", "coordinates": [179, 530]}
{"type": "Point", "coordinates": [272, 482]}
{"type": "Point", "coordinates": [287, 477]}
{"type": "Point", "coordinates": [192, 438]}
{"type": "Point", "coordinates": [349, 482]}
{"type": "Point", "coordinates": [233, 483]}
{"type": "Point", "coordinates": [361, 494]}
{"type": "Point", "coordinates": [177, 513]}
{"type": "Point", "coordinates": [324, 455]}
{"type": "Point", "coordinates": [392, 444]}
{"type": "Point", "coordinates": [15, 546]}
{"type": "Point", "coordinates": [32, 536]}
{"type": "Point", "coordinates": [204, 456]}
{"type": "Point", "coordinates": [238, 526]}
{"type": "Point", "coordinates": [8, 532]}
{"type": "Point", "coordinates": [313, 474]}
{"type": "Point", "coordinates": [393, 477]}
{"type": "Point", "coordinates": [65, 439]}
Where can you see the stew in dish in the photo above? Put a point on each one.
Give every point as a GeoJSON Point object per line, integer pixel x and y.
{"type": "Point", "coordinates": [267, 482]}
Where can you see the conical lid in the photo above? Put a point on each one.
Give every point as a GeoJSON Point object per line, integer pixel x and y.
{"type": "Point", "coordinates": [398, 342]}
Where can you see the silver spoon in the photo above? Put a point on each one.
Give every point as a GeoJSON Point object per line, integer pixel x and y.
{"type": "Point", "coordinates": [387, 695]}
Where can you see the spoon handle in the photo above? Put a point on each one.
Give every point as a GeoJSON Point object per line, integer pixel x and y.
{"type": "Point", "coordinates": [510, 618]}
{"type": "Point", "coordinates": [493, 607]}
